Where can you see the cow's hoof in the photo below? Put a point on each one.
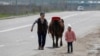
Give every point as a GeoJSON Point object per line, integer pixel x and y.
{"type": "Point", "coordinates": [57, 47]}
{"type": "Point", "coordinates": [61, 45]}
{"type": "Point", "coordinates": [54, 46]}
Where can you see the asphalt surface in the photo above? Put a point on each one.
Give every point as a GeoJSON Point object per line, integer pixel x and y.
{"type": "Point", "coordinates": [17, 40]}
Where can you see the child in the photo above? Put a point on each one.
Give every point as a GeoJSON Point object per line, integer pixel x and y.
{"type": "Point", "coordinates": [70, 38]}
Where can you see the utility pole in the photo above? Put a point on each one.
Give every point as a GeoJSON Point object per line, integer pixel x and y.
{"type": "Point", "coordinates": [96, 4]}
{"type": "Point", "coordinates": [71, 3]}
{"type": "Point", "coordinates": [30, 5]}
{"type": "Point", "coordinates": [16, 7]}
{"type": "Point", "coordinates": [42, 6]}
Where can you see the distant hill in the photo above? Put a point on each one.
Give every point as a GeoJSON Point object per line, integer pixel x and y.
{"type": "Point", "coordinates": [38, 2]}
{"type": "Point", "coordinates": [28, 1]}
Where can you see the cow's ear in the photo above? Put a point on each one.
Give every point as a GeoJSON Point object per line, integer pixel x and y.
{"type": "Point", "coordinates": [62, 20]}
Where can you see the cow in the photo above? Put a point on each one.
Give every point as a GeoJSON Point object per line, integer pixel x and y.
{"type": "Point", "coordinates": [56, 29]}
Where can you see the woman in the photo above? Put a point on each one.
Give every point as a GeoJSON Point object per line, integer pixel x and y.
{"type": "Point", "coordinates": [42, 30]}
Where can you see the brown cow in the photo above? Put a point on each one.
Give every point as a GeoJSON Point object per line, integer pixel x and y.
{"type": "Point", "coordinates": [56, 29]}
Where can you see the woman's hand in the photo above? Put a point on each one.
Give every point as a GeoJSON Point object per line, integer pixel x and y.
{"type": "Point", "coordinates": [31, 30]}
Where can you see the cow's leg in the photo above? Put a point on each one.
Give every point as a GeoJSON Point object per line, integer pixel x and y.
{"type": "Point", "coordinates": [57, 41]}
{"type": "Point", "coordinates": [61, 44]}
{"type": "Point", "coordinates": [53, 41]}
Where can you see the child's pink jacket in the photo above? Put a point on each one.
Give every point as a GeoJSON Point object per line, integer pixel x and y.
{"type": "Point", "coordinates": [70, 36]}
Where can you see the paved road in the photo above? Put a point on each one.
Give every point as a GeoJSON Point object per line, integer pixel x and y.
{"type": "Point", "coordinates": [17, 40]}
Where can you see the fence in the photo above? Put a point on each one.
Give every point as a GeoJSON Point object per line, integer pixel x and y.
{"type": "Point", "coordinates": [33, 6]}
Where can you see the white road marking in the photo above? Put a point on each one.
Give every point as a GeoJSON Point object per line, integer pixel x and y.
{"type": "Point", "coordinates": [20, 27]}
{"type": "Point", "coordinates": [69, 16]}
{"type": "Point", "coordinates": [2, 46]}
{"type": "Point", "coordinates": [66, 17]}
{"type": "Point", "coordinates": [15, 28]}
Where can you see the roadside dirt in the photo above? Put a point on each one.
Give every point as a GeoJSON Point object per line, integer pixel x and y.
{"type": "Point", "coordinates": [88, 45]}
